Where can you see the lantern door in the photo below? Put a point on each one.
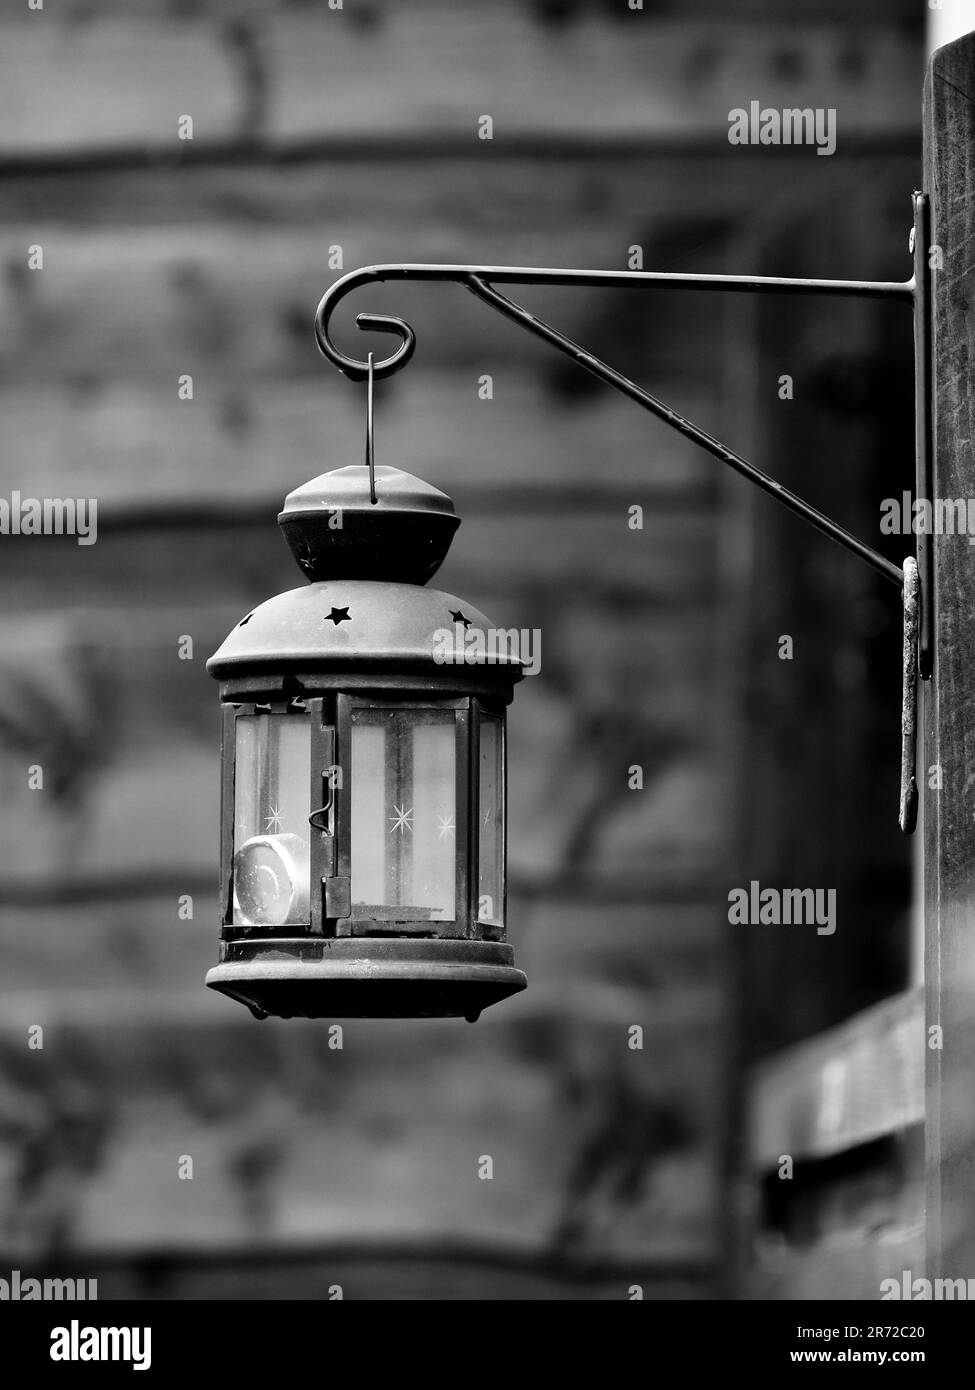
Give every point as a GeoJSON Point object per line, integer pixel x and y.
{"type": "Point", "coordinates": [277, 817]}
{"type": "Point", "coordinates": [403, 835]}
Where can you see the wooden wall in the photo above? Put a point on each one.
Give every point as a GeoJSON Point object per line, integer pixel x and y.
{"type": "Point", "coordinates": [315, 129]}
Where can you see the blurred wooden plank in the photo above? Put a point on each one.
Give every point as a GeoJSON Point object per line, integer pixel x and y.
{"type": "Point", "coordinates": [125, 81]}
{"type": "Point", "coordinates": [138, 945]}
{"type": "Point", "coordinates": [551, 17]}
{"type": "Point", "coordinates": [143, 946]}
{"type": "Point", "coordinates": [599, 77]}
{"type": "Point", "coordinates": [441, 1271]}
{"type": "Point", "coordinates": [859, 1082]}
{"type": "Point", "coordinates": [649, 948]}
{"type": "Point", "coordinates": [253, 440]}
{"type": "Point", "coordinates": [217, 274]}
{"type": "Point", "coordinates": [226, 301]}
{"type": "Point", "coordinates": [573, 886]}
{"type": "Point", "coordinates": [543, 559]}
{"type": "Point", "coordinates": [292, 1139]}
{"type": "Point", "coordinates": [125, 732]}
{"type": "Point", "coordinates": [77, 85]}
{"type": "Point", "coordinates": [851, 1266]}
{"type": "Point", "coordinates": [159, 812]}
{"type": "Point", "coordinates": [444, 199]}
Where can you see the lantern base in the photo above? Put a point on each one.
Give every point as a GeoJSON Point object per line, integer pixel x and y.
{"type": "Point", "coordinates": [367, 977]}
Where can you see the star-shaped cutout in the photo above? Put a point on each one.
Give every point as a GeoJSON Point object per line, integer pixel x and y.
{"type": "Point", "coordinates": [458, 617]}
{"type": "Point", "coordinates": [338, 615]}
{"type": "Point", "coordinates": [273, 821]}
{"type": "Point", "coordinates": [402, 820]}
{"type": "Point", "coordinates": [445, 829]}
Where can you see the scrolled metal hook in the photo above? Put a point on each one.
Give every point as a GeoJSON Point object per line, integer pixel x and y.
{"type": "Point", "coordinates": [378, 323]}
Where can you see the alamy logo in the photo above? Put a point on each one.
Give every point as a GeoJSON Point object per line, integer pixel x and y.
{"type": "Point", "coordinates": [77, 1343]}
{"type": "Point", "coordinates": [791, 126]}
{"type": "Point", "coordinates": [926, 1290]}
{"type": "Point", "coordinates": [17, 1289]}
{"type": "Point", "coordinates": [470, 646]}
{"type": "Point", "coordinates": [919, 516]}
{"type": "Point", "coordinates": [756, 906]}
{"type": "Point", "coordinates": [50, 516]}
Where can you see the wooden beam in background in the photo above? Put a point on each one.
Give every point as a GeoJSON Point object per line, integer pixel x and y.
{"type": "Point", "coordinates": [552, 19]}
{"type": "Point", "coordinates": [861, 1081]}
{"type": "Point", "coordinates": [431, 68]}
{"type": "Point", "coordinates": [949, 725]}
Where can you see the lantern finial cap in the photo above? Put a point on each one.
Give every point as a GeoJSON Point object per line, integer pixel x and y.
{"type": "Point", "coordinates": [336, 531]}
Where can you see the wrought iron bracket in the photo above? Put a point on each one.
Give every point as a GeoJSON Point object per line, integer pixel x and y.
{"type": "Point", "coordinates": [483, 282]}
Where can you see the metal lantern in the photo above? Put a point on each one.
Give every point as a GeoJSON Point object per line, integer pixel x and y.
{"type": "Point", "coordinates": [363, 806]}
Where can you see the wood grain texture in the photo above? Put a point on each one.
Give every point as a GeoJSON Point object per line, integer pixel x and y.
{"type": "Point", "coordinates": [545, 555]}
{"type": "Point", "coordinates": [847, 1267]}
{"type": "Point", "coordinates": [451, 1271]}
{"type": "Point", "coordinates": [818, 757]}
{"type": "Point", "coordinates": [291, 1138]}
{"type": "Point", "coordinates": [823, 757]}
{"type": "Point", "coordinates": [246, 443]}
{"type": "Point", "coordinates": [156, 266]}
{"type": "Point", "coordinates": [547, 15]}
{"type": "Point", "coordinates": [848, 1086]}
{"type": "Point", "coordinates": [129, 944]}
{"type": "Point", "coordinates": [124, 79]}
{"type": "Point", "coordinates": [949, 733]}
{"type": "Point", "coordinates": [440, 197]}
{"type": "Point", "coordinates": [126, 732]}
{"type": "Point", "coordinates": [152, 275]}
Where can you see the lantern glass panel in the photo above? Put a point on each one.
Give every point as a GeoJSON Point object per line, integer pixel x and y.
{"type": "Point", "coordinates": [490, 878]}
{"type": "Point", "coordinates": [272, 803]}
{"type": "Point", "coordinates": [404, 814]}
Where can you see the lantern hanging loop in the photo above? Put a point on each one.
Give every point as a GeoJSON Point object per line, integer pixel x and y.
{"type": "Point", "coordinates": [370, 431]}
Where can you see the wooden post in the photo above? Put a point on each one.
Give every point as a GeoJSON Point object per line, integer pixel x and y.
{"type": "Point", "coordinates": [949, 717]}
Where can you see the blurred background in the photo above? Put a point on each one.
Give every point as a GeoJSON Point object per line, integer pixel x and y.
{"type": "Point", "coordinates": [324, 139]}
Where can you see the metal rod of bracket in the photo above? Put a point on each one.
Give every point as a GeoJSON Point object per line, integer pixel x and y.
{"type": "Point", "coordinates": [685, 427]}
{"type": "Point", "coordinates": [481, 280]}
{"type": "Point", "coordinates": [541, 275]}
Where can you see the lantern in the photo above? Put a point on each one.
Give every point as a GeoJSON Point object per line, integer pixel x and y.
{"type": "Point", "coordinates": [363, 793]}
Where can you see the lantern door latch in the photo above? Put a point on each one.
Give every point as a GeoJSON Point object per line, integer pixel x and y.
{"type": "Point", "coordinates": [338, 897]}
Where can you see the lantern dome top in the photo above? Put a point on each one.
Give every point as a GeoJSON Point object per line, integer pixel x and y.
{"type": "Point", "coordinates": [337, 531]}
{"type": "Point", "coordinates": [361, 626]}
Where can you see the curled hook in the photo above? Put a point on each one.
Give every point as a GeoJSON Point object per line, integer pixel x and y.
{"type": "Point", "coordinates": [379, 323]}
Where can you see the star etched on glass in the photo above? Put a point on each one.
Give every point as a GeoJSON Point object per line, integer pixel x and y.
{"type": "Point", "coordinates": [402, 820]}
